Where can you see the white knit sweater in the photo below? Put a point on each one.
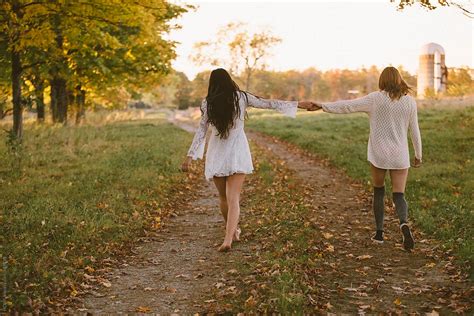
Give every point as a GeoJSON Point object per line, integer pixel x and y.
{"type": "Point", "coordinates": [390, 122]}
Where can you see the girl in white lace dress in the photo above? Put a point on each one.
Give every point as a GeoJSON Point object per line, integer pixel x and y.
{"type": "Point", "coordinates": [228, 157]}
{"type": "Point", "coordinates": [392, 114]}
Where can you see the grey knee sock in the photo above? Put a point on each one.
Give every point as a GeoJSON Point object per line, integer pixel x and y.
{"type": "Point", "coordinates": [401, 206]}
{"type": "Point", "coordinates": [378, 205]}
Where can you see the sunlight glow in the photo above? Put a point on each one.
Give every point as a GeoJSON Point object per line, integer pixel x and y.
{"type": "Point", "coordinates": [336, 34]}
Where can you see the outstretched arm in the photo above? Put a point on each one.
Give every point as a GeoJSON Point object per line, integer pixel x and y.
{"type": "Point", "coordinates": [362, 104]}
{"type": "Point", "coordinates": [415, 135]}
{"type": "Point", "coordinates": [196, 150]}
{"type": "Point", "coordinates": [288, 108]}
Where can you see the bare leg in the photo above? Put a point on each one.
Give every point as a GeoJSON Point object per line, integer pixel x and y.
{"type": "Point", "coordinates": [220, 183]}
{"type": "Point", "coordinates": [233, 187]}
{"type": "Point", "coordinates": [399, 179]}
{"type": "Point", "coordinates": [378, 176]}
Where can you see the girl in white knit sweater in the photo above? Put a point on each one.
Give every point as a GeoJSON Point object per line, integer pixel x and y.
{"type": "Point", "coordinates": [392, 114]}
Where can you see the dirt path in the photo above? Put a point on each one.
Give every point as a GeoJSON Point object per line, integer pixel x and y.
{"type": "Point", "coordinates": [175, 273]}
{"type": "Point", "coordinates": [180, 271]}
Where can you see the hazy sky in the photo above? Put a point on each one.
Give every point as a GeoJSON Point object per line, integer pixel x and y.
{"type": "Point", "coordinates": [333, 34]}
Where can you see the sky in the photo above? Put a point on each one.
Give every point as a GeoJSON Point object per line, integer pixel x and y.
{"type": "Point", "coordinates": [332, 34]}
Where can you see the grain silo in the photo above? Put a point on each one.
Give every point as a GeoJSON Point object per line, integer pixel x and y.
{"type": "Point", "coordinates": [432, 71]}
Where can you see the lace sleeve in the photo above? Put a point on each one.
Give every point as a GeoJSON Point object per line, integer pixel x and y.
{"type": "Point", "coordinates": [349, 106]}
{"type": "Point", "coordinates": [196, 151]}
{"type": "Point", "coordinates": [287, 108]}
{"type": "Point", "coordinates": [415, 131]}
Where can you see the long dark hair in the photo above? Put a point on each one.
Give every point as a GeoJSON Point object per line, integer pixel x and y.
{"type": "Point", "coordinates": [222, 101]}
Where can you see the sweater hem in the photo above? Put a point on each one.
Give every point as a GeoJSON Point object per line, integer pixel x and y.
{"type": "Point", "coordinates": [387, 168]}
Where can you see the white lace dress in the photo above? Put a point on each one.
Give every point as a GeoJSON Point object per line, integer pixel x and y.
{"type": "Point", "coordinates": [231, 155]}
{"type": "Point", "coordinates": [390, 122]}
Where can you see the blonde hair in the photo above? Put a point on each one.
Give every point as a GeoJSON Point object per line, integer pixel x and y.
{"type": "Point", "coordinates": [392, 82]}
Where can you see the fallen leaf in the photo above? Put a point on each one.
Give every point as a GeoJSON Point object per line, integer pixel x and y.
{"type": "Point", "coordinates": [330, 248]}
{"type": "Point", "coordinates": [397, 302]}
{"type": "Point", "coordinates": [143, 309]}
{"type": "Point", "coordinates": [327, 235]}
{"type": "Point", "coordinates": [363, 257]}
{"type": "Point", "coordinates": [210, 301]}
{"type": "Point", "coordinates": [157, 222]}
{"type": "Point", "coordinates": [185, 276]}
{"type": "Point", "coordinates": [250, 301]}
{"type": "Point", "coordinates": [74, 292]}
{"type": "Point", "coordinates": [397, 289]}
{"type": "Point", "coordinates": [106, 283]}
{"type": "Point", "coordinates": [170, 289]}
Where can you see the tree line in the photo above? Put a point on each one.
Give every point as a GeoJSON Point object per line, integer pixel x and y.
{"type": "Point", "coordinates": [312, 84]}
{"type": "Point", "coordinates": [75, 50]}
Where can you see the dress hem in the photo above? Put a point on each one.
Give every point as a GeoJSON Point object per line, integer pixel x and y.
{"type": "Point", "coordinates": [227, 174]}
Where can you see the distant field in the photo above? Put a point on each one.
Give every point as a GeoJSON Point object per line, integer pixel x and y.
{"type": "Point", "coordinates": [80, 194]}
{"type": "Point", "coordinates": [440, 194]}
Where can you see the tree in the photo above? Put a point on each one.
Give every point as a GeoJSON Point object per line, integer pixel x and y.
{"type": "Point", "coordinates": [236, 46]}
{"type": "Point", "coordinates": [434, 4]}
{"type": "Point", "coordinates": [321, 91]}
{"type": "Point", "coordinates": [13, 30]}
{"type": "Point", "coordinates": [460, 82]}
{"type": "Point", "coordinates": [409, 78]}
{"type": "Point", "coordinates": [199, 87]}
{"type": "Point", "coordinates": [4, 93]}
{"type": "Point", "coordinates": [183, 91]}
{"type": "Point", "coordinates": [5, 76]}
{"type": "Point", "coordinates": [89, 45]}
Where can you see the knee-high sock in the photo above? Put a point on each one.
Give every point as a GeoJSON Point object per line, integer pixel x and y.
{"type": "Point", "coordinates": [401, 206]}
{"type": "Point", "coordinates": [378, 205]}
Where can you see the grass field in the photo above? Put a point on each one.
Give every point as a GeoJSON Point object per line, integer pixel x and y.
{"type": "Point", "coordinates": [440, 194]}
{"type": "Point", "coordinates": [75, 195]}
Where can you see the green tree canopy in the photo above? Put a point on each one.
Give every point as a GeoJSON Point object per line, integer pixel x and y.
{"type": "Point", "coordinates": [84, 46]}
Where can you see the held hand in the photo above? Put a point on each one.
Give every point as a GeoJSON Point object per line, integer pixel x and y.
{"type": "Point", "coordinates": [186, 165]}
{"type": "Point", "coordinates": [307, 105]}
{"type": "Point", "coordinates": [315, 106]}
{"type": "Point", "coordinates": [417, 163]}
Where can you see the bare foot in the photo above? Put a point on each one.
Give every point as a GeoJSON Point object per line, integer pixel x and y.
{"type": "Point", "coordinates": [224, 248]}
{"type": "Point", "coordinates": [237, 234]}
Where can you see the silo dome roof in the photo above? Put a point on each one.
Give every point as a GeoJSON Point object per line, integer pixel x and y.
{"type": "Point", "coordinates": [431, 48]}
